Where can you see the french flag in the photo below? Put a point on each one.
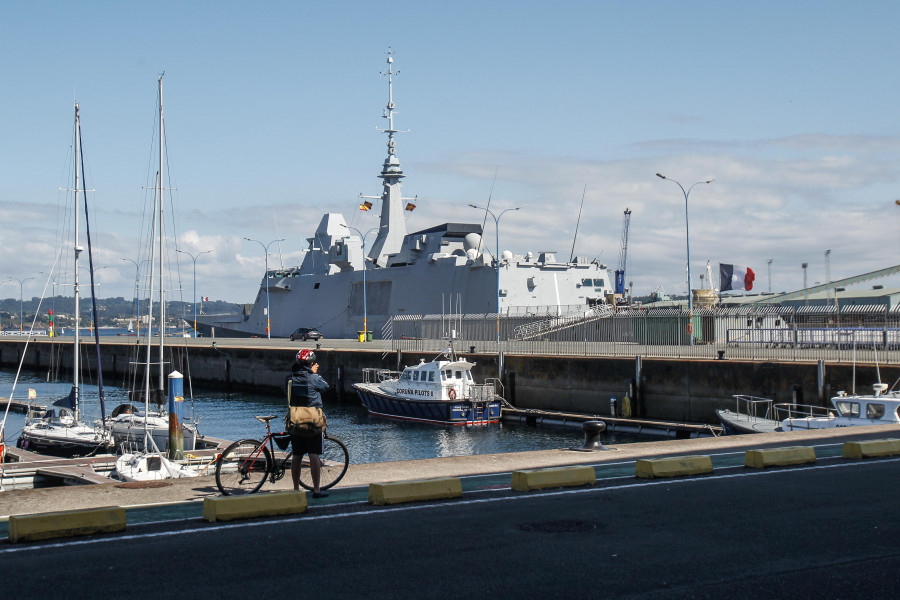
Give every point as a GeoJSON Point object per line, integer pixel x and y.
{"type": "Point", "coordinates": [735, 277]}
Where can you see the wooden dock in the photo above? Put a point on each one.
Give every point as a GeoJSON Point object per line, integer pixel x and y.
{"type": "Point", "coordinates": [18, 406]}
{"type": "Point", "coordinates": [640, 426]}
{"type": "Point", "coordinates": [24, 468]}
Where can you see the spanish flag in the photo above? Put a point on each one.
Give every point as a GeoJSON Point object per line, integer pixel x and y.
{"type": "Point", "coordinates": [365, 205]}
{"type": "Point", "coordinates": [32, 394]}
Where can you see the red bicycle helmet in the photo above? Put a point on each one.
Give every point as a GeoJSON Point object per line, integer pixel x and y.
{"type": "Point", "coordinates": [306, 355]}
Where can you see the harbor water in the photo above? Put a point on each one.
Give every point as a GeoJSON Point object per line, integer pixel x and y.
{"type": "Point", "coordinates": [369, 439]}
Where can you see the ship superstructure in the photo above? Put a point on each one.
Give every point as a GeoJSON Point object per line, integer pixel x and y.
{"type": "Point", "coordinates": [439, 269]}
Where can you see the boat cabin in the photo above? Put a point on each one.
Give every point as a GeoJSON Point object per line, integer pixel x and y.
{"type": "Point", "coordinates": [878, 406]}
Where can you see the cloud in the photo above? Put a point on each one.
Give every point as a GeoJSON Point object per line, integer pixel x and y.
{"type": "Point", "coordinates": [787, 199]}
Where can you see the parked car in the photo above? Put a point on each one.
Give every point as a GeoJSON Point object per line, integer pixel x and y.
{"type": "Point", "coordinates": [306, 333]}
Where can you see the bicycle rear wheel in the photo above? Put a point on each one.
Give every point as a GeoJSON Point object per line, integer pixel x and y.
{"type": "Point", "coordinates": [335, 459]}
{"type": "Point", "coordinates": [243, 467]}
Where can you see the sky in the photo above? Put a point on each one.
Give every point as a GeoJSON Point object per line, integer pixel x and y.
{"type": "Point", "coordinates": [271, 112]}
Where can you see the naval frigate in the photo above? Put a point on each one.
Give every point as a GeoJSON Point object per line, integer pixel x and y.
{"type": "Point", "coordinates": [341, 290]}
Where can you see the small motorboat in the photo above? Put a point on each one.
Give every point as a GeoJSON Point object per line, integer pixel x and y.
{"type": "Point", "coordinates": [762, 415]}
{"type": "Point", "coordinates": [881, 407]}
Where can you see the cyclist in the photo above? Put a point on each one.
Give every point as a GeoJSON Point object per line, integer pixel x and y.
{"type": "Point", "coordinates": [306, 390]}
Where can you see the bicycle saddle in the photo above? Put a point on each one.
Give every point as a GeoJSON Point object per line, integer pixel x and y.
{"type": "Point", "coordinates": [266, 418]}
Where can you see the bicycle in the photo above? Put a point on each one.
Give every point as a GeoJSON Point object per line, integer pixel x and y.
{"type": "Point", "coordinates": [245, 465]}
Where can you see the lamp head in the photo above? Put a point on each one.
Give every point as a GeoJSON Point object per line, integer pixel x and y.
{"type": "Point", "coordinates": [660, 175]}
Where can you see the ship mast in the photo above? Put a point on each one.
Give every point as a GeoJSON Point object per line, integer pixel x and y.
{"type": "Point", "coordinates": [392, 228]}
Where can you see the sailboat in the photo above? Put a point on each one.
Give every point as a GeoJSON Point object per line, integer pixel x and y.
{"type": "Point", "coordinates": [146, 431]}
{"type": "Point", "coordinates": [61, 431]}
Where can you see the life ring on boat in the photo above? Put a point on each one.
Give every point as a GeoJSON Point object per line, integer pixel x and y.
{"type": "Point", "coordinates": [452, 393]}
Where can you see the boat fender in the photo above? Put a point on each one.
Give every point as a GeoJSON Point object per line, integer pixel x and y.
{"type": "Point", "coordinates": [626, 407]}
{"type": "Point", "coordinates": [452, 393]}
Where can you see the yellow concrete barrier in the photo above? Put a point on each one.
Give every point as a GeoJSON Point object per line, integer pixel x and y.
{"type": "Point", "coordinates": [536, 479]}
{"type": "Point", "coordinates": [675, 466]}
{"type": "Point", "coordinates": [871, 448]}
{"type": "Point", "coordinates": [45, 526]}
{"type": "Point", "coordinates": [412, 491]}
{"type": "Point", "coordinates": [779, 457]}
{"type": "Point", "coordinates": [229, 508]}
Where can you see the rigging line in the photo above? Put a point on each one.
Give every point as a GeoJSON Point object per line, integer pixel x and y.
{"type": "Point", "coordinates": [28, 339]}
{"type": "Point", "coordinates": [577, 223]}
{"type": "Point", "coordinates": [87, 223]}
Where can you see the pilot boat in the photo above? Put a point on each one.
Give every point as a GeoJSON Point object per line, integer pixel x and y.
{"type": "Point", "coordinates": [441, 391]}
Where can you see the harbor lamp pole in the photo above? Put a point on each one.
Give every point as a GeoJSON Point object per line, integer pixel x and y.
{"type": "Point", "coordinates": [21, 300]}
{"type": "Point", "coordinates": [137, 299]}
{"type": "Point", "coordinates": [497, 258]}
{"type": "Point", "coordinates": [365, 306]}
{"type": "Point", "coordinates": [194, 258]}
{"type": "Point", "coordinates": [266, 250]}
{"type": "Point", "coordinates": [687, 235]}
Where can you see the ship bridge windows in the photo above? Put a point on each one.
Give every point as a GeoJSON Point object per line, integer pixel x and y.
{"type": "Point", "coordinates": [405, 375]}
{"type": "Point", "coordinates": [443, 375]}
{"type": "Point", "coordinates": [599, 283]}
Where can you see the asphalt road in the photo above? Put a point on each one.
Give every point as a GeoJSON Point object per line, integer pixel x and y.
{"type": "Point", "coordinates": [831, 530]}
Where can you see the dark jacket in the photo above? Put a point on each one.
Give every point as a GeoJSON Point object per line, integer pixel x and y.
{"type": "Point", "coordinates": [306, 387]}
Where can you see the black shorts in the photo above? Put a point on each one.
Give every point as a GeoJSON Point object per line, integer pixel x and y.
{"type": "Point", "coordinates": [307, 444]}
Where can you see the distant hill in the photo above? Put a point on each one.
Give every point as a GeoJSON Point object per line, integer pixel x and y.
{"type": "Point", "coordinates": [111, 312]}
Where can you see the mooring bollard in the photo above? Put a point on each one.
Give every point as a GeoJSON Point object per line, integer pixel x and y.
{"type": "Point", "coordinates": [592, 432]}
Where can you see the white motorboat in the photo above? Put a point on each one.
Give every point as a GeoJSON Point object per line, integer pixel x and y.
{"type": "Point", "coordinates": [762, 415]}
{"type": "Point", "coordinates": [881, 407]}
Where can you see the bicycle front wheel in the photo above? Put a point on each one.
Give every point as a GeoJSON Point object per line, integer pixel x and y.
{"type": "Point", "coordinates": [335, 460]}
{"type": "Point", "coordinates": [243, 467]}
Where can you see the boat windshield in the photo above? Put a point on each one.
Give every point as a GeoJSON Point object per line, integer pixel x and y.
{"type": "Point", "coordinates": [848, 409]}
{"type": "Point", "coordinates": [405, 375]}
{"type": "Point", "coordinates": [874, 411]}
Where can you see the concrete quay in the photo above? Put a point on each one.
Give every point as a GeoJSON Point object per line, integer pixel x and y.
{"type": "Point", "coordinates": [686, 390]}
{"type": "Point", "coordinates": [624, 457]}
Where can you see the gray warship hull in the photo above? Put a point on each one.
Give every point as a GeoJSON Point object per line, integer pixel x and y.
{"type": "Point", "coordinates": [342, 289]}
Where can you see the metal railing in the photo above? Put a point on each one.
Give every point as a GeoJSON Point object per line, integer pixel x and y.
{"type": "Point", "coordinates": [854, 333]}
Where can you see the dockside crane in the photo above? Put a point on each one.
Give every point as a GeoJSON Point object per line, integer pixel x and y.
{"type": "Point", "coordinates": [623, 257]}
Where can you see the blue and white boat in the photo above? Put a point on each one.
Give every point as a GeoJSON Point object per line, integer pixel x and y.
{"type": "Point", "coordinates": [440, 391]}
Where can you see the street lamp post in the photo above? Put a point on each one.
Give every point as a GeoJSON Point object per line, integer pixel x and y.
{"type": "Point", "coordinates": [266, 250]}
{"type": "Point", "coordinates": [194, 258]}
{"type": "Point", "coordinates": [21, 300]}
{"type": "Point", "coordinates": [687, 235]}
{"type": "Point", "coordinates": [137, 297]}
{"type": "Point", "coordinates": [365, 268]}
{"type": "Point", "coordinates": [496, 258]}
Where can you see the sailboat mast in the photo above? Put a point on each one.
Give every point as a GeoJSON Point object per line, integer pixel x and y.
{"type": "Point", "coordinates": [76, 368]}
{"type": "Point", "coordinates": [162, 297]}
